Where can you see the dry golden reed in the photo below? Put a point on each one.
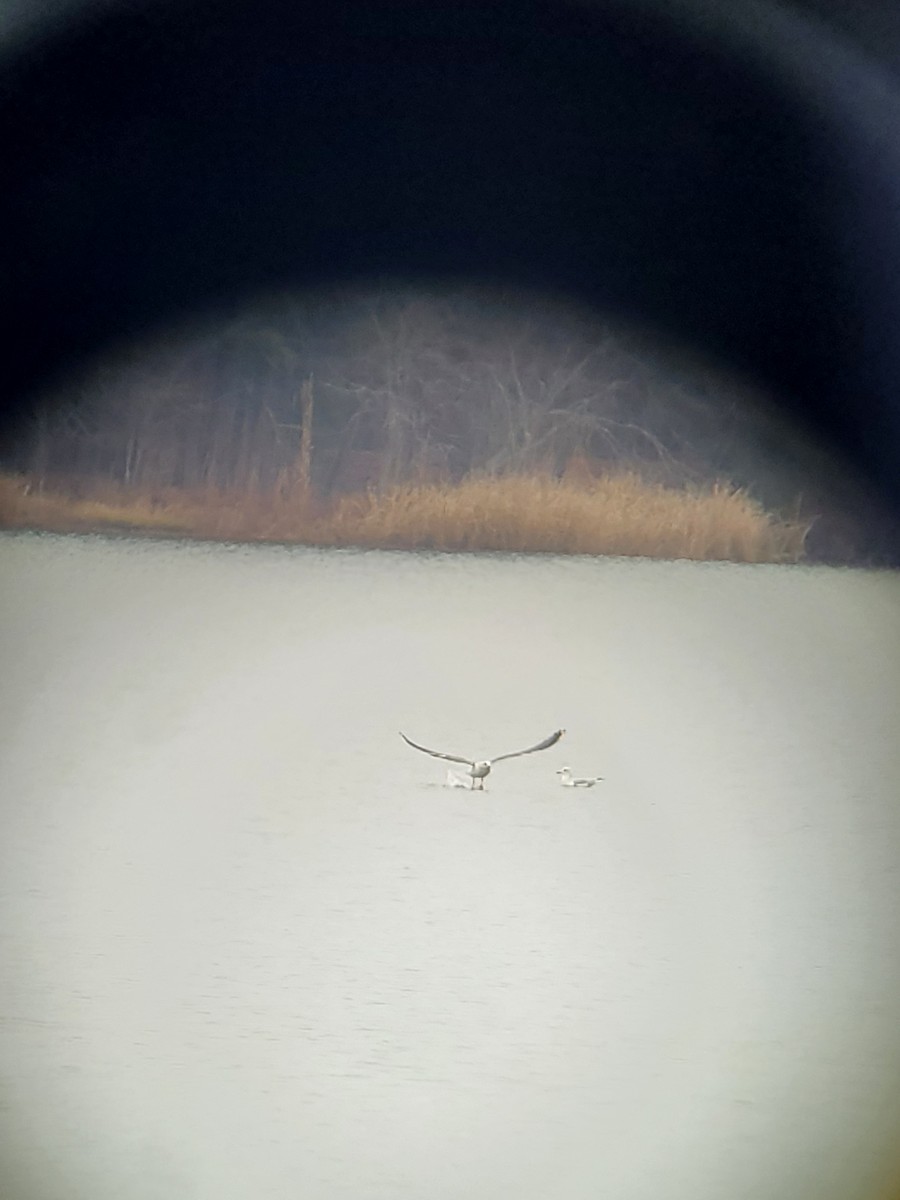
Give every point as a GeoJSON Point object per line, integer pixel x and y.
{"type": "Point", "coordinates": [618, 514]}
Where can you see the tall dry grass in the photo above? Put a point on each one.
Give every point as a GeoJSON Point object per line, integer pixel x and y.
{"type": "Point", "coordinates": [619, 514]}
{"type": "Point", "coordinates": [615, 515]}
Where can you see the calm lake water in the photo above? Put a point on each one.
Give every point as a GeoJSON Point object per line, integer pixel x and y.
{"type": "Point", "coordinates": [254, 946]}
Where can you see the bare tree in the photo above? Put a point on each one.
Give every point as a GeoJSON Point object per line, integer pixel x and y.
{"type": "Point", "coordinates": [422, 384]}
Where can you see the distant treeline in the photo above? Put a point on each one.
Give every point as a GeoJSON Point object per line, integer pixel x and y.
{"type": "Point", "coordinates": [355, 390]}
{"type": "Point", "coordinates": [416, 384]}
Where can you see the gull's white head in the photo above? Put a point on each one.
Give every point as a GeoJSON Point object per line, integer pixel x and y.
{"type": "Point", "coordinates": [564, 771]}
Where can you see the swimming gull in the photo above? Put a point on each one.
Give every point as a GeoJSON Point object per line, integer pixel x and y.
{"type": "Point", "coordinates": [569, 780]}
{"type": "Point", "coordinates": [479, 769]}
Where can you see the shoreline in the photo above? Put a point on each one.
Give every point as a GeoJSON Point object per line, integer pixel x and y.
{"type": "Point", "coordinates": [615, 516]}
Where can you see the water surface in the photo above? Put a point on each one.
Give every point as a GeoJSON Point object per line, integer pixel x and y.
{"type": "Point", "coordinates": [253, 946]}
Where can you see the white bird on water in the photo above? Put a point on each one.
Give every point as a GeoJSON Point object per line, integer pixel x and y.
{"type": "Point", "coordinates": [479, 769]}
{"type": "Point", "coordinates": [569, 780]}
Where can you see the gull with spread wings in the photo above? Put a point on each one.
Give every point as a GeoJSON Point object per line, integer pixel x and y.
{"type": "Point", "coordinates": [479, 769]}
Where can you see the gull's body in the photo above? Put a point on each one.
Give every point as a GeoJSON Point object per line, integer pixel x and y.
{"type": "Point", "coordinates": [569, 780]}
{"type": "Point", "coordinates": [479, 769]}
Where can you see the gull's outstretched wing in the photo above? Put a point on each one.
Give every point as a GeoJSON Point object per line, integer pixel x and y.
{"type": "Point", "coordinates": [544, 745]}
{"type": "Point", "coordinates": [449, 757]}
